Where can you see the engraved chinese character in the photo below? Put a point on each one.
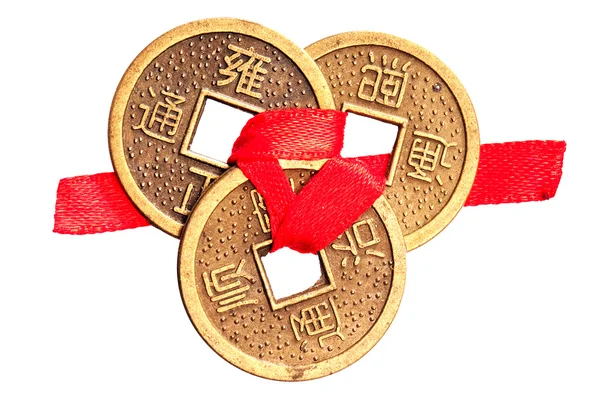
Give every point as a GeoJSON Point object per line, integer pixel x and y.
{"type": "Point", "coordinates": [163, 121]}
{"type": "Point", "coordinates": [226, 287]}
{"type": "Point", "coordinates": [317, 320]}
{"type": "Point", "coordinates": [184, 208]}
{"type": "Point", "coordinates": [386, 85]}
{"type": "Point", "coordinates": [260, 210]}
{"type": "Point", "coordinates": [250, 70]}
{"type": "Point", "coordinates": [363, 236]}
{"type": "Point", "coordinates": [426, 153]}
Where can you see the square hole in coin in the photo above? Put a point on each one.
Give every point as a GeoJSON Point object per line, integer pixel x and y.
{"type": "Point", "coordinates": [219, 126]}
{"type": "Point", "coordinates": [365, 136]}
{"type": "Point", "coordinates": [291, 277]}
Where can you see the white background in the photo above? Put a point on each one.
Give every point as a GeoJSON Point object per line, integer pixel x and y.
{"type": "Point", "coordinates": [504, 303]}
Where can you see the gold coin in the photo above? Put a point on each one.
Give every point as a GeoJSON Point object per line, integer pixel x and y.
{"type": "Point", "coordinates": [161, 101]}
{"type": "Point", "coordinates": [436, 152]}
{"type": "Point", "coordinates": [303, 336]}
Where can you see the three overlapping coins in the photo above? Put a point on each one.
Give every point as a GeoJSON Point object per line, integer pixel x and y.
{"type": "Point", "coordinates": [161, 151]}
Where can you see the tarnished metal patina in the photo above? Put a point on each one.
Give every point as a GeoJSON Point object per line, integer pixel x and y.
{"type": "Point", "coordinates": [436, 152]}
{"type": "Point", "coordinates": [161, 99]}
{"type": "Point", "coordinates": [307, 335]}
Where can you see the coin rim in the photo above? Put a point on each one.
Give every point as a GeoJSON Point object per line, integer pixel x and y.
{"type": "Point", "coordinates": [213, 25]}
{"type": "Point", "coordinates": [209, 201]}
{"type": "Point", "coordinates": [467, 177]}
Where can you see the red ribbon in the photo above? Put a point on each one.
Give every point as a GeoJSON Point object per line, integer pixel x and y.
{"type": "Point", "coordinates": [93, 204]}
{"type": "Point", "coordinates": [515, 172]}
{"type": "Point", "coordinates": [510, 172]}
{"type": "Point", "coordinates": [331, 201]}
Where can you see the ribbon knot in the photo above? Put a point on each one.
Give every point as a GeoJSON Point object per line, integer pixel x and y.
{"type": "Point", "coordinates": [332, 200]}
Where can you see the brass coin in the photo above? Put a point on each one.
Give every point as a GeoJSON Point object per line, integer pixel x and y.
{"type": "Point", "coordinates": [435, 156]}
{"type": "Point", "coordinates": [307, 335]}
{"type": "Point", "coordinates": [161, 99]}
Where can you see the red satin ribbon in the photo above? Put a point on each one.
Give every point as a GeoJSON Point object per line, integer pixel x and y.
{"type": "Point", "coordinates": [515, 172]}
{"type": "Point", "coordinates": [93, 204]}
{"type": "Point", "coordinates": [510, 172]}
{"type": "Point", "coordinates": [331, 201]}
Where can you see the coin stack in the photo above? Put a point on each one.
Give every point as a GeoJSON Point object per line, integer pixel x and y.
{"type": "Point", "coordinates": [171, 154]}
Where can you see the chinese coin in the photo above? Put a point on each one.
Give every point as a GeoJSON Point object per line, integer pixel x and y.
{"type": "Point", "coordinates": [162, 146]}
{"type": "Point", "coordinates": [310, 334]}
{"type": "Point", "coordinates": [434, 159]}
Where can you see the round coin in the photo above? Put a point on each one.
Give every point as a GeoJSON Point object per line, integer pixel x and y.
{"type": "Point", "coordinates": [436, 151]}
{"type": "Point", "coordinates": [162, 147]}
{"type": "Point", "coordinates": [307, 335]}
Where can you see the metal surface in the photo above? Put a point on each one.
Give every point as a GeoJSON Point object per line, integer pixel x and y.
{"type": "Point", "coordinates": [160, 101]}
{"type": "Point", "coordinates": [304, 336]}
{"type": "Point", "coordinates": [435, 156]}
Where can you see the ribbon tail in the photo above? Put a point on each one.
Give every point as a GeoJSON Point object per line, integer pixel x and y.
{"type": "Point", "coordinates": [514, 172]}
{"type": "Point", "coordinates": [93, 204]}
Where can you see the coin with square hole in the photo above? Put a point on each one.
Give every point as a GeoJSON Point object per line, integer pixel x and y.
{"type": "Point", "coordinates": [184, 100]}
{"type": "Point", "coordinates": [325, 313]}
{"type": "Point", "coordinates": [411, 102]}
